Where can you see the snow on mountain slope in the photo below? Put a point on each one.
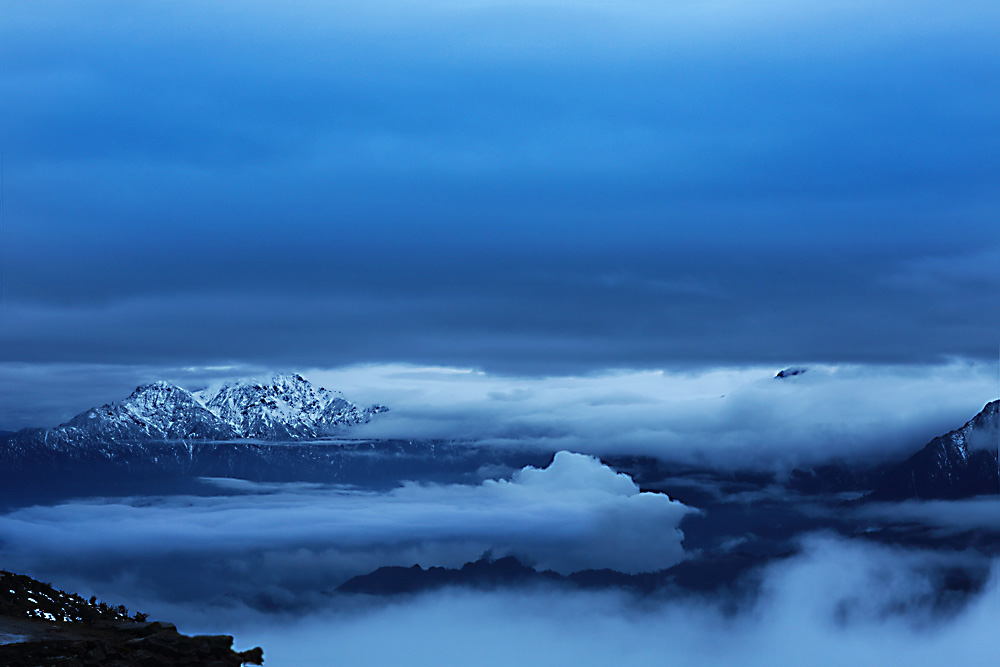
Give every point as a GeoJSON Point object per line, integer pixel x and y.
{"type": "Point", "coordinates": [284, 407]}
{"type": "Point", "coordinates": [158, 411]}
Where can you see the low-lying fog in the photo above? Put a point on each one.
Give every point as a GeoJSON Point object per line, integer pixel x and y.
{"type": "Point", "coordinates": [724, 418]}
{"type": "Point", "coordinates": [837, 604]}
{"type": "Point", "coordinates": [262, 561]}
{"type": "Point", "coordinates": [279, 545]}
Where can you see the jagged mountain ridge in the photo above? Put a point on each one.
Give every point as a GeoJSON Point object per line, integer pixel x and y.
{"type": "Point", "coordinates": [958, 464]}
{"type": "Point", "coordinates": [157, 411]}
{"type": "Point", "coordinates": [282, 407]}
{"type": "Point", "coordinates": [701, 574]}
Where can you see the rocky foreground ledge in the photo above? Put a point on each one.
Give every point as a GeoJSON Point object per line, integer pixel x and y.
{"type": "Point", "coordinates": [128, 645]}
{"type": "Point", "coordinates": [44, 627]}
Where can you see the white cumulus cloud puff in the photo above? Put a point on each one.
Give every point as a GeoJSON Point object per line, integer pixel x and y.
{"type": "Point", "coordinates": [574, 514]}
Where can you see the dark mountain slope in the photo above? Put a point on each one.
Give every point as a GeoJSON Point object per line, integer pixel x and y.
{"type": "Point", "coordinates": [959, 464]}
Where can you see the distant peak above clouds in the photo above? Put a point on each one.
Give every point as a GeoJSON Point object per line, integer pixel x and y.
{"type": "Point", "coordinates": [280, 407]}
{"type": "Point", "coordinates": [958, 464]}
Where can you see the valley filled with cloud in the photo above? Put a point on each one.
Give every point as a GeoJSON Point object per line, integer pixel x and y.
{"type": "Point", "coordinates": [552, 333]}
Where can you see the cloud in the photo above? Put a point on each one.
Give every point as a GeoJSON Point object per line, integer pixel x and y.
{"type": "Point", "coordinates": [723, 417]}
{"type": "Point", "coordinates": [259, 561]}
{"type": "Point", "coordinates": [533, 188]}
{"type": "Point", "coordinates": [946, 517]}
{"type": "Point", "coordinates": [986, 438]}
{"type": "Point", "coordinates": [837, 603]}
{"type": "Point", "coordinates": [720, 417]}
{"type": "Point", "coordinates": [574, 514]}
{"type": "Point", "coordinates": [527, 310]}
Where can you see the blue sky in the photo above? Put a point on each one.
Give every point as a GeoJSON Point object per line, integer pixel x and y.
{"type": "Point", "coordinates": [525, 187]}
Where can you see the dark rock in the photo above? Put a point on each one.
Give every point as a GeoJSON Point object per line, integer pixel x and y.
{"type": "Point", "coordinates": [97, 634]}
{"type": "Point", "coordinates": [254, 656]}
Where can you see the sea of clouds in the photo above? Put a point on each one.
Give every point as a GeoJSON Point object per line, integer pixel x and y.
{"type": "Point", "coordinates": [838, 603]}
{"type": "Point", "coordinates": [723, 417]}
{"type": "Point", "coordinates": [279, 545]}
{"type": "Point", "coordinates": [261, 561]}
{"type": "Point", "coordinates": [720, 417]}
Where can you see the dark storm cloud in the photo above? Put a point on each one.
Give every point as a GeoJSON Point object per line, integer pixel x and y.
{"type": "Point", "coordinates": [524, 187]}
{"type": "Point", "coordinates": [528, 314]}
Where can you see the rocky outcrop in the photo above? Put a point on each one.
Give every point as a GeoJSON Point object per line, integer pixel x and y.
{"type": "Point", "coordinates": [43, 626]}
{"type": "Point", "coordinates": [139, 645]}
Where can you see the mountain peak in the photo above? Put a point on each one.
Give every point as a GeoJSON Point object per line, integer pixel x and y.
{"type": "Point", "coordinates": [157, 385]}
{"type": "Point", "coordinates": [159, 389]}
{"type": "Point", "coordinates": [153, 411]}
{"type": "Point", "coordinates": [280, 379]}
{"type": "Point", "coordinates": [284, 406]}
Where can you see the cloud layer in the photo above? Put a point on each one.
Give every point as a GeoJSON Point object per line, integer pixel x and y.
{"type": "Point", "coordinates": [722, 417]}
{"type": "Point", "coordinates": [837, 603]}
{"type": "Point", "coordinates": [259, 560]}
{"type": "Point", "coordinates": [574, 514]}
{"type": "Point", "coordinates": [530, 188]}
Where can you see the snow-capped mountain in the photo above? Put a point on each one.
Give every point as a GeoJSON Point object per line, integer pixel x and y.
{"type": "Point", "coordinates": [958, 464]}
{"type": "Point", "coordinates": [283, 407]}
{"type": "Point", "coordinates": [158, 411]}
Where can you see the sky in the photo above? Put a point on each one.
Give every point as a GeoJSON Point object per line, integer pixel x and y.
{"type": "Point", "coordinates": [527, 188]}
{"type": "Point", "coordinates": [598, 227]}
